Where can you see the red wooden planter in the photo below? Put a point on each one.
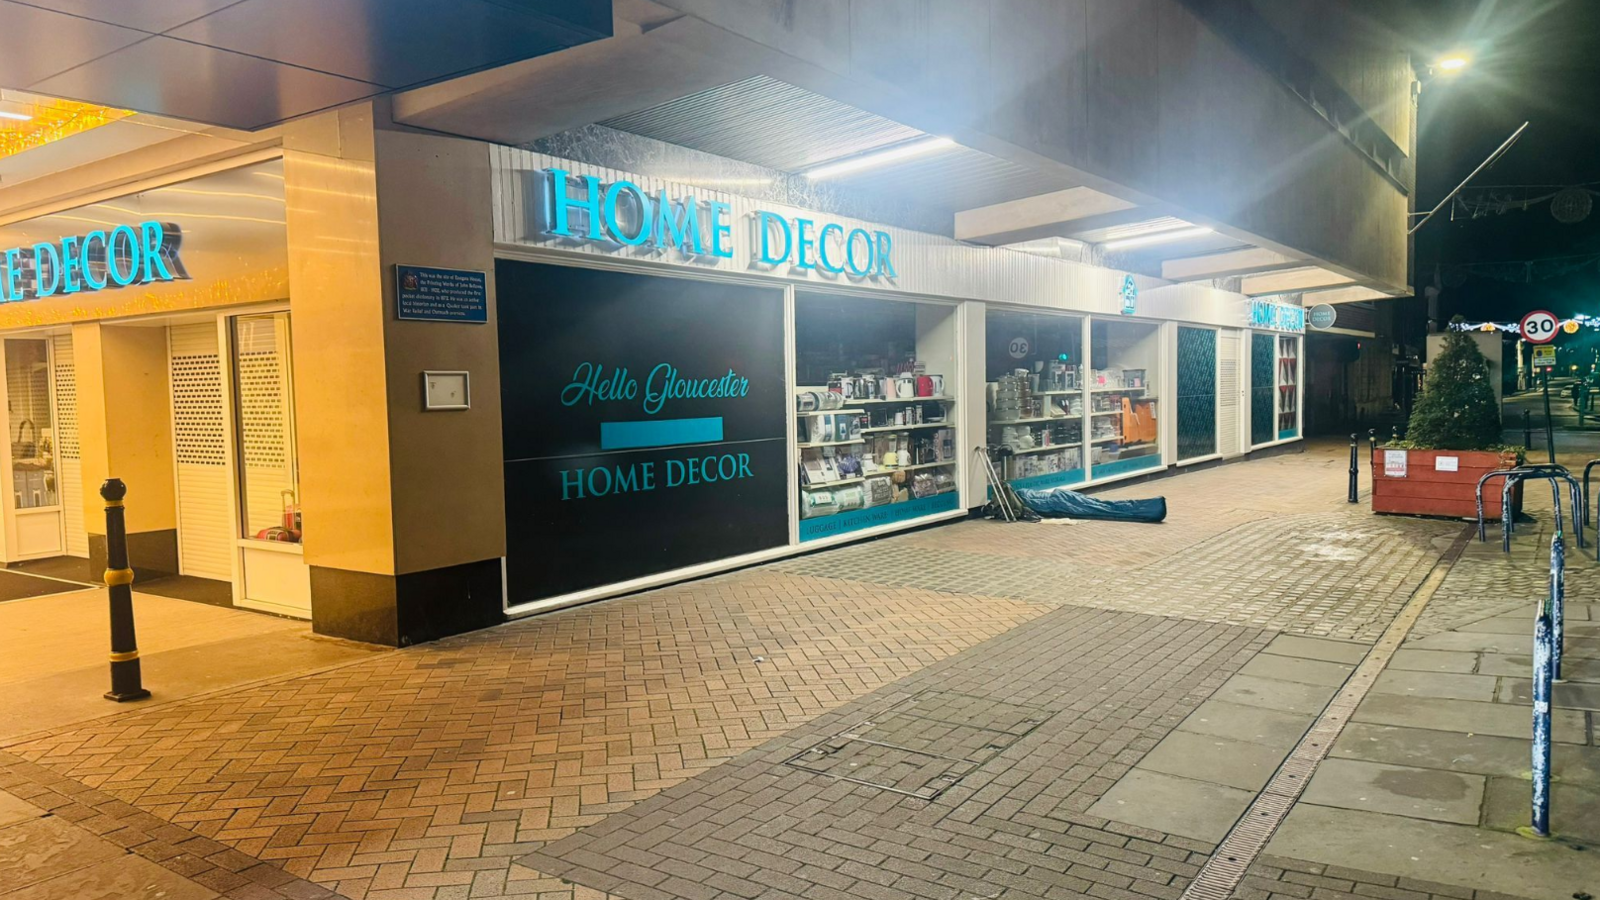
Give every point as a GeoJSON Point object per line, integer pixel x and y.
{"type": "Point", "coordinates": [1427, 490]}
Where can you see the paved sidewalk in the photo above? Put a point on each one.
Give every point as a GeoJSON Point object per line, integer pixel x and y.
{"type": "Point", "coordinates": [971, 711]}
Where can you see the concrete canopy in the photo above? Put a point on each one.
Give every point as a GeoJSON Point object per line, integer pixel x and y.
{"type": "Point", "coordinates": [1142, 103]}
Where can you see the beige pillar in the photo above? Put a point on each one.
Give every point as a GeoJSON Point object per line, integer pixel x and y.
{"type": "Point", "coordinates": [125, 431]}
{"type": "Point", "coordinates": [404, 518]}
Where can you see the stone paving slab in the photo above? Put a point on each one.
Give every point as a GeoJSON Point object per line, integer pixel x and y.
{"type": "Point", "coordinates": [1574, 808]}
{"type": "Point", "coordinates": [1345, 652]}
{"type": "Point", "coordinates": [43, 848]}
{"type": "Point", "coordinates": [14, 810]}
{"type": "Point", "coordinates": [1482, 754]}
{"type": "Point", "coordinates": [1247, 723]}
{"type": "Point", "coordinates": [1415, 660]}
{"type": "Point", "coordinates": [1521, 665]}
{"type": "Point", "coordinates": [1567, 695]}
{"type": "Point", "coordinates": [1466, 716]}
{"type": "Point", "coordinates": [1197, 809]}
{"type": "Point", "coordinates": [123, 878]}
{"type": "Point", "coordinates": [1435, 853]}
{"type": "Point", "coordinates": [1301, 671]}
{"type": "Point", "coordinates": [1397, 790]}
{"type": "Point", "coordinates": [1239, 764]}
{"type": "Point", "coordinates": [1284, 696]}
{"type": "Point", "coordinates": [1446, 685]}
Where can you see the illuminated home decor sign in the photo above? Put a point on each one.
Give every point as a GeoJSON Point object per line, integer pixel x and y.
{"type": "Point", "coordinates": [623, 215]}
{"type": "Point", "coordinates": [1270, 316]}
{"type": "Point", "coordinates": [124, 256]}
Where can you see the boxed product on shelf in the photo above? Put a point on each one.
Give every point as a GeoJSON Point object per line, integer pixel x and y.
{"type": "Point", "coordinates": [878, 491]}
{"type": "Point", "coordinates": [818, 502]}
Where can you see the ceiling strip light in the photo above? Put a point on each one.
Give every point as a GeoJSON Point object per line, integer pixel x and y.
{"type": "Point", "coordinates": [20, 117]}
{"type": "Point", "coordinates": [879, 157]}
{"type": "Point", "coordinates": [1160, 237]}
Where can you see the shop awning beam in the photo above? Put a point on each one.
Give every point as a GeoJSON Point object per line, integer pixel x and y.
{"type": "Point", "coordinates": [1056, 214]}
{"type": "Point", "coordinates": [1310, 278]}
{"type": "Point", "coordinates": [1354, 294]}
{"type": "Point", "coordinates": [1249, 261]}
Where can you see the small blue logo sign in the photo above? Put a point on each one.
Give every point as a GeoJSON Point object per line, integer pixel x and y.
{"type": "Point", "coordinates": [1130, 295]}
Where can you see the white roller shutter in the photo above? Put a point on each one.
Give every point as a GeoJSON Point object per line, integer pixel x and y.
{"type": "Point", "coordinates": [1229, 392]}
{"type": "Point", "coordinates": [69, 458]}
{"type": "Point", "coordinates": [200, 434]}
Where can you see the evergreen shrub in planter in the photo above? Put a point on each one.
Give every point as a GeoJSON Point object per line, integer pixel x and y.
{"type": "Point", "coordinates": [1452, 440]}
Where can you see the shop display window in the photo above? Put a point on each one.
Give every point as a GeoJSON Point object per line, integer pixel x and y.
{"type": "Point", "coordinates": [874, 408]}
{"type": "Point", "coordinates": [1262, 383]}
{"type": "Point", "coordinates": [30, 424]}
{"type": "Point", "coordinates": [1036, 400]}
{"type": "Point", "coordinates": [1123, 375]}
{"type": "Point", "coordinates": [1288, 371]}
{"type": "Point", "coordinates": [1197, 392]}
{"type": "Point", "coordinates": [263, 409]}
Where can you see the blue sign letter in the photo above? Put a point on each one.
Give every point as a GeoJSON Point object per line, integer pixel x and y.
{"type": "Point", "coordinates": [678, 227]}
{"type": "Point", "coordinates": [560, 202]}
{"type": "Point", "coordinates": [765, 223]}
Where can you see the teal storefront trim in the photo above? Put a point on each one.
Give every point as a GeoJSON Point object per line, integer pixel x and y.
{"type": "Point", "coordinates": [1287, 433]}
{"type": "Point", "coordinates": [1048, 480]}
{"type": "Point", "coordinates": [1123, 466]}
{"type": "Point", "coordinates": [857, 519]}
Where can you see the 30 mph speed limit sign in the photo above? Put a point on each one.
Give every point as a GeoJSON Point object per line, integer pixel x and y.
{"type": "Point", "coordinates": [1539, 327]}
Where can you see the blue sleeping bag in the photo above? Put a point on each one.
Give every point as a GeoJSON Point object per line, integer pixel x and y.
{"type": "Point", "coordinates": [1061, 503]}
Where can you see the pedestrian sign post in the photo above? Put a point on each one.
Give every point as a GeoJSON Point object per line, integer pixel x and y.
{"type": "Point", "coordinates": [1544, 356]}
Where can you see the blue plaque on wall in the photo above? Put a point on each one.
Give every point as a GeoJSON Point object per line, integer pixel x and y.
{"type": "Point", "coordinates": [441, 295]}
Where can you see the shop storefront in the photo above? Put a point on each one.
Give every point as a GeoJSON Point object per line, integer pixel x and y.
{"type": "Point", "coordinates": [146, 337]}
{"type": "Point", "coordinates": [1277, 335]}
{"type": "Point", "coordinates": [625, 382]}
{"type": "Point", "coordinates": [693, 380]}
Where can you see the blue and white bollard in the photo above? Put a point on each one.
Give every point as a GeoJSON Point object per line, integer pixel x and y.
{"type": "Point", "coordinates": [1542, 676]}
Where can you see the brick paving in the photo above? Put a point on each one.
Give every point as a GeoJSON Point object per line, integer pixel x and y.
{"type": "Point", "coordinates": [582, 736]}
{"type": "Point", "coordinates": [1277, 878]}
{"type": "Point", "coordinates": [1015, 824]}
{"type": "Point", "coordinates": [422, 769]}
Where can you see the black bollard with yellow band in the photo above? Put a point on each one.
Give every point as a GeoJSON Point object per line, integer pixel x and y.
{"type": "Point", "coordinates": [125, 677]}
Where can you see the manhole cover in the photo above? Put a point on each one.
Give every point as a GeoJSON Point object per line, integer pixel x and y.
{"type": "Point", "coordinates": [924, 745]}
{"type": "Point", "coordinates": [879, 765]}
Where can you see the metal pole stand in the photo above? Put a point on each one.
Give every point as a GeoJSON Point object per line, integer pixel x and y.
{"type": "Point", "coordinates": [125, 677]}
{"type": "Point", "coordinates": [1539, 825]}
{"type": "Point", "coordinates": [1355, 468]}
{"type": "Point", "coordinates": [1372, 456]}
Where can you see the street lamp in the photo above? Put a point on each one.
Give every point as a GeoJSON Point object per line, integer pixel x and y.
{"type": "Point", "coordinates": [1454, 62]}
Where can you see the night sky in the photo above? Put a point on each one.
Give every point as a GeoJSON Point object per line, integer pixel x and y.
{"type": "Point", "coordinates": [1532, 60]}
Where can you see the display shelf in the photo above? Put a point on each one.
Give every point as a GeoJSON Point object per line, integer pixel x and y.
{"type": "Point", "coordinates": [1115, 390]}
{"type": "Point", "coordinates": [1044, 449]}
{"type": "Point", "coordinates": [890, 470]}
{"type": "Point", "coordinates": [828, 484]}
{"type": "Point", "coordinates": [1106, 440]}
{"type": "Point", "coordinates": [902, 400]}
{"type": "Point", "coordinates": [829, 444]}
{"type": "Point", "coordinates": [1056, 393]}
{"type": "Point", "coordinates": [881, 429]}
{"type": "Point", "coordinates": [1033, 421]}
{"type": "Point", "coordinates": [1108, 412]}
{"type": "Point", "coordinates": [833, 412]}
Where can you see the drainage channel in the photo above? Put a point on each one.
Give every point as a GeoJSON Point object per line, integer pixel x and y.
{"type": "Point", "coordinates": [1222, 873]}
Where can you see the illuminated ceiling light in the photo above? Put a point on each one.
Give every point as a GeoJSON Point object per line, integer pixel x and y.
{"type": "Point", "coordinates": [15, 116]}
{"type": "Point", "coordinates": [1159, 237]}
{"type": "Point", "coordinates": [879, 157]}
{"type": "Point", "coordinates": [1453, 63]}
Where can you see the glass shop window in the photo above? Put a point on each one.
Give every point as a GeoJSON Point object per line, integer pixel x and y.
{"type": "Point", "coordinates": [32, 429]}
{"type": "Point", "coordinates": [263, 408]}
